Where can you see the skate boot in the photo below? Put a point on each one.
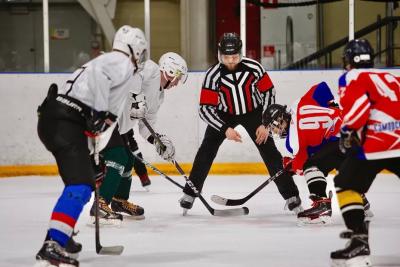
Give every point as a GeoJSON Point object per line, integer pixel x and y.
{"type": "Point", "coordinates": [145, 180]}
{"type": "Point", "coordinates": [73, 248]}
{"type": "Point", "coordinates": [186, 203]}
{"type": "Point", "coordinates": [106, 215]}
{"type": "Point", "coordinates": [355, 254]}
{"type": "Point", "coordinates": [294, 204]}
{"type": "Point", "coordinates": [319, 213]}
{"type": "Point", "coordinates": [124, 207]}
{"type": "Point", "coordinates": [52, 254]}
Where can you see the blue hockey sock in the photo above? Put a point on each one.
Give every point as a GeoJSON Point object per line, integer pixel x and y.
{"type": "Point", "coordinates": [66, 212]}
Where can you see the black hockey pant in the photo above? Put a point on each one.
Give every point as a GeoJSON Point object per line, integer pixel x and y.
{"type": "Point", "coordinates": [268, 151]}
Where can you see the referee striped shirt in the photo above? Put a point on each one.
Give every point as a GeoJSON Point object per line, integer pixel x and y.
{"type": "Point", "coordinates": [236, 93]}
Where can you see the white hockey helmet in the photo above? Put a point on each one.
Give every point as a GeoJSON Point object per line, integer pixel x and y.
{"type": "Point", "coordinates": [132, 42]}
{"type": "Point", "coordinates": [173, 65]}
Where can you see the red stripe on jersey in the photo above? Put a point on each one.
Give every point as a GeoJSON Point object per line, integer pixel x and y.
{"type": "Point", "coordinates": [62, 217]}
{"type": "Point", "coordinates": [208, 97]}
{"type": "Point", "coordinates": [228, 98]}
{"type": "Point", "coordinates": [247, 89]}
{"type": "Point", "coordinates": [265, 83]}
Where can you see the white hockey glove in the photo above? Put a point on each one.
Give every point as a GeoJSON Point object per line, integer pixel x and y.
{"type": "Point", "coordinates": [167, 149]}
{"type": "Point", "coordinates": [138, 106]}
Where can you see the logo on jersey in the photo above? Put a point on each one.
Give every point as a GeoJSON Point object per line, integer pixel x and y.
{"type": "Point", "coordinates": [387, 127]}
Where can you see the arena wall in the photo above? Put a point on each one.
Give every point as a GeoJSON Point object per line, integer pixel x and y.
{"type": "Point", "coordinates": [20, 94]}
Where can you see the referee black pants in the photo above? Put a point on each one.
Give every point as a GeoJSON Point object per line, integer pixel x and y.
{"type": "Point", "coordinates": [268, 151]}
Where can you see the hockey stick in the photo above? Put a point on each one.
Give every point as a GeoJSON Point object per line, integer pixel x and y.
{"type": "Point", "coordinates": [112, 250]}
{"type": "Point", "coordinates": [236, 202]}
{"type": "Point", "coordinates": [215, 212]}
{"type": "Point", "coordinates": [156, 170]}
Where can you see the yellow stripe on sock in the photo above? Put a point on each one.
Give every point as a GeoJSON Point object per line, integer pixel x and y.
{"type": "Point", "coordinates": [348, 197]}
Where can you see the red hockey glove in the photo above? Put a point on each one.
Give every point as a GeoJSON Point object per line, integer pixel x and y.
{"type": "Point", "coordinates": [287, 163]}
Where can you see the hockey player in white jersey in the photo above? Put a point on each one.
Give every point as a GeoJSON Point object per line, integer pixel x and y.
{"type": "Point", "coordinates": [115, 189]}
{"type": "Point", "coordinates": [88, 103]}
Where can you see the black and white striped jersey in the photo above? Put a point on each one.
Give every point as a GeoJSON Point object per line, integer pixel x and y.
{"type": "Point", "coordinates": [236, 93]}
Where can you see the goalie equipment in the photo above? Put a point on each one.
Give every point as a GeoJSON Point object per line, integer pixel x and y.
{"type": "Point", "coordinates": [52, 254]}
{"type": "Point", "coordinates": [173, 65]}
{"type": "Point", "coordinates": [132, 41]}
{"type": "Point", "coordinates": [165, 148]}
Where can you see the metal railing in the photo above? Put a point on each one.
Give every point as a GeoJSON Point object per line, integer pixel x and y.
{"type": "Point", "coordinates": [326, 52]}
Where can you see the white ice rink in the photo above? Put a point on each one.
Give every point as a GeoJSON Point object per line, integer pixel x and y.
{"type": "Point", "coordinates": [268, 236]}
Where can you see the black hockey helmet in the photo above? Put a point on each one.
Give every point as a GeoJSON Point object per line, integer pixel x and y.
{"type": "Point", "coordinates": [230, 44]}
{"type": "Point", "coordinates": [359, 54]}
{"type": "Point", "coordinates": [273, 118]}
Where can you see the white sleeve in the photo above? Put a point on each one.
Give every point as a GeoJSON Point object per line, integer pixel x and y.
{"type": "Point", "coordinates": [125, 123]}
{"type": "Point", "coordinates": [154, 98]}
{"type": "Point", "coordinates": [100, 83]}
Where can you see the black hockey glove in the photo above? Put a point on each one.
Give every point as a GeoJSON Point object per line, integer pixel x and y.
{"type": "Point", "coordinates": [348, 138]}
{"type": "Point", "coordinates": [99, 121]}
{"type": "Point", "coordinates": [130, 141]}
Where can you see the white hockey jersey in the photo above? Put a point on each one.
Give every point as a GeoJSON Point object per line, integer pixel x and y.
{"type": "Point", "coordinates": [150, 87]}
{"type": "Point", "coordinates": [103, 83]}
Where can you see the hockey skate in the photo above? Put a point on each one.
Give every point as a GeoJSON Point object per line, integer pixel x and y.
{"type": "Point", "coordinates": [52, 254]}
{"type": "Point", "coordinates": [107, 217]}
{"type": "Point", "coordinates": [319, 213]}
{"type": "Point", "coordinates": [186, 203]}
{"type": "Point", "coordinates": [73, 248]}
{"type": "Point", "coordinates": [128, 209]}
{"type": "Point", "coordinates": [355, 254]}
{"type": "Point", "coordinates": [294, 204]}
{"type": "Point", "coordinates": [145, 180]}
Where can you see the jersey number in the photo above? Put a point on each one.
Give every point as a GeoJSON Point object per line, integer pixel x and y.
{"type": "Point", "coordinates": [381, 84]}
{"type": "Point", "coordinates": [315, 122]}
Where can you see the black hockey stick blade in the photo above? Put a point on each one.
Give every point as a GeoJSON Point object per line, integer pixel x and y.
{"type": "Point", "coordinates": [231, 212]}
{"type": "Point", "coordinates": [111, 250]}
{"type": "Point", "coordinates": [222, 213]}
{"type": "Point", "coordinates": [237, 202]}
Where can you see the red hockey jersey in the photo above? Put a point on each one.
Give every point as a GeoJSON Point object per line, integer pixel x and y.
{"type": "Point", "coordinates": [371, 105]}
{"type": "Point", "coordinates": [314, 123]}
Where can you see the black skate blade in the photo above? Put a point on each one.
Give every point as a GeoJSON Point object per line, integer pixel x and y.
{"type": "Point", "coordinates": [231, 212]}
{"type": "Point", "coordinates": [112, 250]}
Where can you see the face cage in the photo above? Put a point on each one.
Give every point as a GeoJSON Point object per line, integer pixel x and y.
{"type": "Point", "coordinates": [178, 75]}
{"type": "Point", "coordinates": [276, 130]}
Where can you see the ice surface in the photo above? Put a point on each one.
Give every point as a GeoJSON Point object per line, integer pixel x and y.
{"type": "Point", "coordinates": [268, 236]}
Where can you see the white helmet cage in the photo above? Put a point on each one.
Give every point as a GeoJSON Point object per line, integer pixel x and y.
{"type": "Point", "coordinates": [173, 65]}
{"type": "Point", "coordinates": [132, 42]}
